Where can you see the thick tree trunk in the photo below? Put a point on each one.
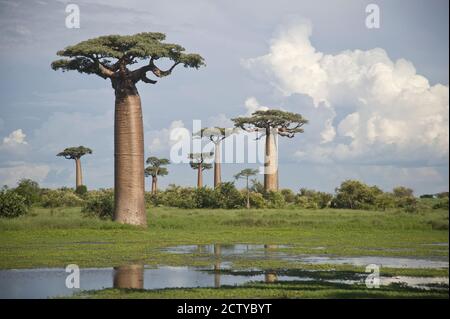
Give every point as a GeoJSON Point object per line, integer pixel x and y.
{"type": "Point", "coordinates": [154, 184]}
{"type": "Point", "coordinates": [129, 277]}
{"type": "Point", "coordinates": [78, 174]}
{"type": "Point", "coordinates": [248, 195]}
{"type": "Point", "coordinates": [200, 176]}
{"type": "Point", "coordinates": [217, 165]}
{"type": "Point", "coordinates": [129, 184]}
{"type": "Point", "coordinates": [271, 162]}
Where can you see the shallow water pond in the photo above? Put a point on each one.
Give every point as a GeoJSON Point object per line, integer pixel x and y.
{"type": "Point", "coordinates": [278, 252]}
{"type": "Point", "coordinates": [51, 282]}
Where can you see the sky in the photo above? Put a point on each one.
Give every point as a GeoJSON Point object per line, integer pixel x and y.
{"type": "Point", "coordinates": [377, 99]}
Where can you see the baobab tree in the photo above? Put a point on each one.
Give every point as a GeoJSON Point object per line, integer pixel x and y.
{"type": "Point", "coordinates": [216, 135]}
{"type": "Point", "coordinates": [246, 174]}
{"type": "Point", "coordinates": [272, 123]}
{"type": "Point", "coordinates": [198, 162]}
{"type": "Point", "coordinates": [156, 169]}
{"type": "Point", "coordinates": [75, 153]}
{"type": "Point", "coordinates": [110, 57]}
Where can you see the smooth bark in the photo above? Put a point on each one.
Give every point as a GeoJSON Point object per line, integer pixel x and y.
{"type": "Point", "coordinates": [154, 184]}
{"type": "Point", "coordinates": [200, 175]}
{"type": "Point", "coordinates": [271, 162]}
{"type": "Point", "coordinates": [78, 174]}
{"type": "Point", "coordinates": [129, 161]}
{"type": "Point", "coordinates": [217, 165]}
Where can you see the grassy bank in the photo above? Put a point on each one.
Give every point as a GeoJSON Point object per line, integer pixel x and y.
{"type": "Point", "coordinates": [55, 238]}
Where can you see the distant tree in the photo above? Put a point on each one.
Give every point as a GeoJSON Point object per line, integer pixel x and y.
{"type": "Point", "coordinates": [29, 190]}
{"type": "Point", "coordinates": [442, 195]}
{"type": "Point", "coordinates": [401, 191]}
{"type": "Point", "coordinates": [156, 169]}
{"type": "Point", "coordinates": [216, 135]}
{"type": "Point", "coordinates": [272, 123]}
{"type": "Point", "coordinates": [246, 174]}
{"type": "Point", "coordinates": [75, 153]}
{"type": "Point", "coordinates": [110, 57]}
{"type": "Point", "coordinates": [198, 163]}
{"type": "Point", "coordinates": [355, 195]}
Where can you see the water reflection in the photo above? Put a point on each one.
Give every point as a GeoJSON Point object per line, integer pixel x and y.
{"type": "Point", "coordinates": [129, 277]}
{"type": "Point", "coordinates": [217, 253]}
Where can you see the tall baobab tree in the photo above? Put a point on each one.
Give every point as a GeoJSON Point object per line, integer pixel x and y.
{"type": "Point", "coordinates": [272, 123]}
{"type": "Point", "coordinates": [156, 169]}
{"type": "Point", "coordinates": [110, 57]}
{"type": "Point", "coordinates": [75, 153]}
{"type": "Point", "coordinates": [216, 135]}
{"type": "Point", "coordinates": [198, 163]}
{"type": "Point", "coordinates": [246, 174]}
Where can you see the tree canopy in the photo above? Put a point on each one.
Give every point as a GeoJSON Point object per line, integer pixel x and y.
{"type": "Point", "coordinates": [198, 159]}
{"type": "Point", "coordinates": [74, 152]}
{"type": "Point", "coordinates": [215, 134]}
{"type": "Point", "coordinates": [287, 123]}
{"type": "Point", "coordinates": [108, 56]}
{"type": "Point", "coordinates": [155, 168]}
{"type": "Point", "coordinates": [245, 173]}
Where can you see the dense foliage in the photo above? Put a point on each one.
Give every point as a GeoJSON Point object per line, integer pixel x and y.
{"type": "Point", "coordinates": [12, 204]}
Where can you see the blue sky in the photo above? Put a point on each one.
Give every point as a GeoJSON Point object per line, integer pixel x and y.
{"type": "Point", "coordinates": [376, 99]}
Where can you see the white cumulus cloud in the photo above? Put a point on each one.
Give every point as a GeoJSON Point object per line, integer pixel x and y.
{"type": "Point", "coordinates": [380, 110]}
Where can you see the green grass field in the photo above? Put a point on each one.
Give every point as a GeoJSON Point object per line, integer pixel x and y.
{"type": "Point", "coordinates": [55, 238]}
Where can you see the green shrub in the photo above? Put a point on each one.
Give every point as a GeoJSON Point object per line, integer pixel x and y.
{"type": "Point", "coordinates": [275, 200]}
{"type": "Point", "coordinates": [206, 198]}
{"type": "Point", "coordinates": [29, 190]}
{"type": "Point", "coordinates": [81, 190]}
{"type": "Point", "coordinates": [12, 204]}
{"type": "Point", "coordinates": [409, 204]}
{"type": "Point", "coordinates": [256, 200]}
{"type": "Point", "coordinates": [312, 199]}
{"type": "Point", "coordinates": [384, 201]}
{"type": "Point", "coordinates": [228, 197]}
{"type": "Point", "coordinates": [354, 194]}
{"type": "Point", "coordinates": [99, 205]}
{"type": "Point", "coordinates": [60, 198]}
{"type": "Point", "coordinates": [441, 204]}
{"type": "Point", "coordinates": [402, 191]}
{"type": "Point", "coordinates": [289, 195]}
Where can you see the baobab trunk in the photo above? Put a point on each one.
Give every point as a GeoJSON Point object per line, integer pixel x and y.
{"type": "Point", "coordinates": [200, 176]}
{"type": "Point", "coordinates": [248, 195]}
{"type": "Point", "coordinates": [78, 174]}
{"type": "Point", "coordinates": [217, 165]}
{"type": "Point", "coordinates": [271, 162]}
{"type": "Point", "coordinates": [129, 186]}
{"type": "Point", "coordinates": [154, 184]}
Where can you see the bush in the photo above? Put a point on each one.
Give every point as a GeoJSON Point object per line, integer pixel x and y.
{"type": "Point", "coordinates": [355, 195]}
{"type": "Point", "coordinates": [81, 190]}
{"type": "Point", "coordinates": [257, 200]}
{"type": "Point", "coordinates": [177, 196]}
{"type": "Point", "coordinates": [408, 203]}
{"type": "Point", "coordinates": [441, 204]}
{"type": "Point", "coordinates": [384, 201]}
{"type": "Point", "coordinates": [228, 197]}
{"type": "Point", "coordinates": [29, 190]}
{"type": "Point", "coordinates": [289, 195]}
{"type": "Point", "coordinates": [100, 205]}
{"type": "Point", "coordinates": [206, 198]}
{"type": "Point", "coordinates": [60, 198]}
{"type": "Point", "coordinates": [313, 199]}
{"type": "Point", "coordinates": [275, 200]}
{"type": "Point", "coordinates": [402, 191]}
{"type": "Point", "coordinates": [12, 204]}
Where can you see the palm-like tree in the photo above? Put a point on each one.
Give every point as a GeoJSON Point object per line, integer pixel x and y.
{"type": "Point", "coordinates": [198, 163]}
{"type": "Point", "coordinates": [156, 169]}
{"type": "Point", "coordinates": [75, 153]}
{"type": "Point", "coordinates": [246, 174]}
